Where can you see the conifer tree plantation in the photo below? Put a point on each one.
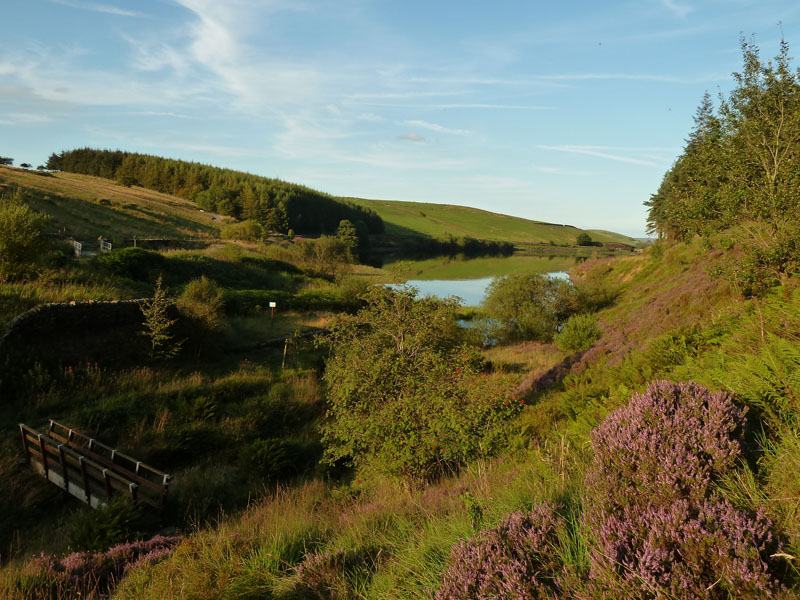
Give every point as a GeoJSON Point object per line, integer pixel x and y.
{"type": "Point", "coordinates": [629, 431]}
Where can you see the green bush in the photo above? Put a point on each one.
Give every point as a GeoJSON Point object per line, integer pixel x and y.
{"type": "Point", "coordinates": [249, 231]}
{"type": "Point", "coordinates": [97, 530]}
{"type": "Point", "coordinates": [134, 263]}
{"type": "Point", "coordinates": [21, 238]}
{"type": "Point", "coordinates": [405, 395]}
{"type": "Point", "coordinates": [530, 306]}
{"type": "Point", "coordinates": [270, 458]}
{"type": "Point", "coordinates": [578, 333]}
{"type": "Point", "coordinates": [202, 301]}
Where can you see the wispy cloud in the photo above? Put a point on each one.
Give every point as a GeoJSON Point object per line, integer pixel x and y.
{"type": "Point", "coordinates": [100, 8]}
{"type": "Point", "coordinates": [412, 137]}
{"type": "Point", "coordinates": [679, 10]}
{"type": "Point", "coordinates": [559, 171]}
{"type": "Point", "coordinates": [464, 105]}
{"type": "Point", "coordinates": [437, 128]}
{"type": "Point", "coordinates": [596, 151]}
{"type": "Point", "coordinates": [218, 44]}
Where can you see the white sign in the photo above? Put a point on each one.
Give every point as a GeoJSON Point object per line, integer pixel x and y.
{"type": "Point", "coordinates": [273, 304]}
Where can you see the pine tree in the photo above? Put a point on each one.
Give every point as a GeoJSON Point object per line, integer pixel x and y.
{"type": "Point", "coordinates": [157, 324]}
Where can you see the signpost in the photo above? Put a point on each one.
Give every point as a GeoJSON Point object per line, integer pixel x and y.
{"type": "Point", "coordinates": [272, 306]}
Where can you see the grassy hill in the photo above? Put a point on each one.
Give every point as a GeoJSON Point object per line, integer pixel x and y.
{"type": "Point", "coordinates": [86, 207]}
{"type": "Point", "coordinates": [440, 220]}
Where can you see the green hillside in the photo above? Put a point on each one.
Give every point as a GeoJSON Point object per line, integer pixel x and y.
{"type": "Point", "coordinates": [86, 207]}
{"type": "Point", "coordinates": [440, 220]}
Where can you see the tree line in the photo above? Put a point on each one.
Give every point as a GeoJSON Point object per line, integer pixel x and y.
{"type": "Point", "coordinates": [276, 205]}
{"type": "Point", "coordinates": [740, 168]}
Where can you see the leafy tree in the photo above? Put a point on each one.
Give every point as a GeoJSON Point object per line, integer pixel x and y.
{"type": "Point", "coordinates": [327, 256]}
{"type": "Point", "coordinates": [530, 306]}
{"type": "Point", "coordinates": [402, 393]}
{"type": "Point", "coordinates": [21, 237]}
{"type": "Point", "coordinates": [5, 160]}
{"type": "Point", "coordinates": [348, 233]}
{"type": "Point", "coordinates": [26, 165]}
{"type": "Point", "coordinates": [584, 239]}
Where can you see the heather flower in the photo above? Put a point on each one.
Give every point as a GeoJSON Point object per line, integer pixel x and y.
{"type": "Point", "coordinates": [661, 529]}
{"type": "Point", "coordinates": [517, 560]}
{"type": "Point", "coordinates": [95, 572]}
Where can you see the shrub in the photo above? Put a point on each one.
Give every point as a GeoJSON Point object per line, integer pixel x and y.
{"type": "Point", "coordinates": [97, 530]}
{"type": "Point", "coordinates": [271, 458]}
{"type": "Point", "coordinates": [578, 333]}
{"type": "Point", "coordinates": [405, 395]}
{"type": "Point", "coordinates": [202, 301]}
{"type": "Point", "coordinates": [517, 560]}
{"type": "Point", "coordinates": [530, 306]}
{"type": "Point", "coordinates": [660, 526]}
{"type": "Point", "coordinates": [21, 238]}
{"type": "Point", "coordinates": [133, 263]}
{"type": "Point", "coordinates": [250, 231]}
{"type": "Point", "coordinates": [89, 575]}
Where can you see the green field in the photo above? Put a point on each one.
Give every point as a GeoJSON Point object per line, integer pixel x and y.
{"type": "Point", "coordinates": [440, 220]}
{"type": "Point", "coordinates": [86, 207]}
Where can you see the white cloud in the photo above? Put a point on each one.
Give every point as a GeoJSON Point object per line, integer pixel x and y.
{"type": "Point", "coordinates": [679, 10]}
{"type": "Point", "coordinates": [559, 171]}
{"type": "Point", "coordinates": [100, 8]}
{"type": "Point", "coordinates": [594, 151]}
{"type": "Point", "coordinates": [437, 128]}
{"type": "Point", "coordinates": [218, 43]}
{"type": "Point", "coordinates": [412, 137]}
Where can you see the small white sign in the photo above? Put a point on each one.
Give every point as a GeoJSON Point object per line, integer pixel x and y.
{"type": "Point", "coordinates": [273, 304]}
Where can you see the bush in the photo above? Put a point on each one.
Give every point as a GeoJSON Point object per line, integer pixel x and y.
{"type": "Point", "coordinates": [21, 238]}
{"type": "Point", "coordinates": [578, 333]}
{"type": "Point", "coordinates": [249, 231]}
{"type": "Point", "coordinates": [405, 395]}
{"type": "Point", "coordinates": [88, 575]}
{"type": "Point", "coordinates": [270, 458]}
{"type": "Point", "coordinates": [517, 560]}
{"type": "Point", "coordinates": [97, 530]}
{"type": "Point", "coordinates": [202, 301]}
{"type": "Point", "coordinates": [134, 263]}
{"type": "Point", "coordinates": [660, 526]}
{"type": "Point", "coordinates": [530, 306]}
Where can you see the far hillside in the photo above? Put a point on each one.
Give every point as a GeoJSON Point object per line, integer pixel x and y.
{"type": "Point", "coordinates": [441, 220]}
{"type": "Point", "coordinates": [85, 207]}
{"type": "Point", "coordinates": [276, 205]}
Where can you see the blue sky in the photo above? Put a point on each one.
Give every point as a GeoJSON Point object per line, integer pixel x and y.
{"type": "Point", "coordinates": [568, 112]}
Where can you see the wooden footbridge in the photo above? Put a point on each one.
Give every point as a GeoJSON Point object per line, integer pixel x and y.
{"type": "Point", "coordinates": [89, 470]}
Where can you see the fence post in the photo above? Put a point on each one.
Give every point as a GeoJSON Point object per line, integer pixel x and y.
{"type": "Point", "coordinates": [85, 476]}
{"type": "Point", "coordinates": [63, 460]}
{"type": "Point", "coordinates": [43, 450]}
{"type": "Point", "coordinates": [25, 445]}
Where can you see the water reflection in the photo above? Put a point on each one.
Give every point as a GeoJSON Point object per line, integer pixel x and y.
{"type": "Point", "coordinates": [471, 291]}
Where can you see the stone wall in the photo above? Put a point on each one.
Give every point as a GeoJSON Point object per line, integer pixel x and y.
{"type": "Point", "coordinates": [74, 331]}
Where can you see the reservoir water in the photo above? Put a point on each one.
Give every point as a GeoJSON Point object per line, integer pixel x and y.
{"type": "Point", "coordinates": [469, 278]}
